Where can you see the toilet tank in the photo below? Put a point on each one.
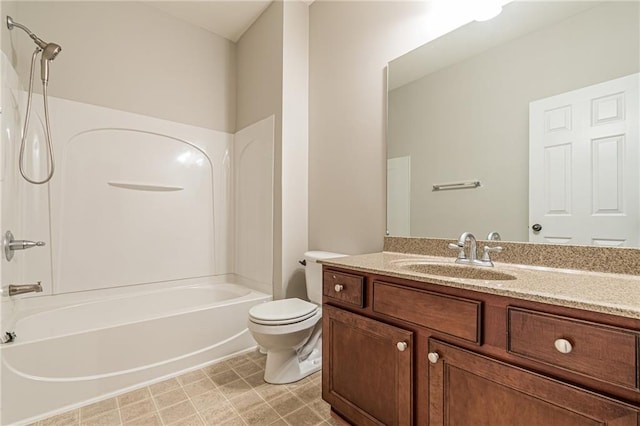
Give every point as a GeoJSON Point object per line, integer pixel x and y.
{"type": "Point", "coordinates": [313, 273]}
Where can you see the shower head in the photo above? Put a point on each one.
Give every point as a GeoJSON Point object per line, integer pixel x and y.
{"type": "Point", "coordinates": [49, 53]}
{"type": "Point", "coordinates": [49, 50]}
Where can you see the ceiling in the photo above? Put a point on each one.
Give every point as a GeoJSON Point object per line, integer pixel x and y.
{"type": "Point", "coordinates": [226, 18]}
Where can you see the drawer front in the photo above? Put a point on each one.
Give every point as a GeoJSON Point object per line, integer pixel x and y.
{"type": "Point", "coordinates": [344, 287]}
{"type": "Point", "coordinates": [451, 315]}
{"type": "Point", "coordinates": [606, 353]}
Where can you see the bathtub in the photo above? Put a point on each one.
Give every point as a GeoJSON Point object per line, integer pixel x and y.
{"type": "Point", "coordinates": [72, 354]}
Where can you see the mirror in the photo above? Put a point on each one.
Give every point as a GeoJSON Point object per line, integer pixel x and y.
{"type": "Point", "coordinates": [458, 112]}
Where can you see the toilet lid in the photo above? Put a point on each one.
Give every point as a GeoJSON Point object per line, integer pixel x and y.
{"type": "Point", "coordinates": [283, 311]}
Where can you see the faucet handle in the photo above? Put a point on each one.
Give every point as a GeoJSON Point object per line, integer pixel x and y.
{"type": "Point", "coordinates": [486, 250]}
{"type": "Point", "coordinates": [455, 246]}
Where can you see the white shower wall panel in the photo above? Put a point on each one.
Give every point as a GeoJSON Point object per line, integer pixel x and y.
{"type": "Point", "coordinates": [253, 156]}
{"type": "Point", "coordinates": [136, 199]}
{"type": "Point", "coordinates": [25, 207]}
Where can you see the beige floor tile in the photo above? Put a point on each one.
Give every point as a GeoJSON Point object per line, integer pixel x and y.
{"type": "Point", "coordinates": [206, 401]}
{"type": "Point", "coordinates": [256, 380]}
{"type": "Point", "coordinates": [279, 422]}
{"type": "Point", "coordinates": [191, 377]}
{"type": "Point", "coordinates": [309, 392]}
{"type": "Point", "coordinates": [136, 410]}
{"type": "Point", "coordinates": [225, 377]}
{"type": "Point", "coordinates": [286, 404]}
{"type": "Point", "coordinates": [177, 412]}
{"type": "Point", "coordinates": [220, 414]}
{"type": "Point", "coordinates": [217, 368]}
{"type": "Point", "coordinates": [235, 421]}
{"type": "Point", "coordinates": [98, 408]}
{"type": "Point", "coordinates": [246, 401]}
{"type": "Point", "coordinates": [262, 362]}
{"type": "Point", "coordinates": [109, 418]}
{"type": "Point", "coordinates": [321, 407]}
{"type": "Point", "coordinates": [149, 420]}
{"type": "Point", "coordinates": [248, 368]}
{"type": "Point", "coordinates": [170, 398]}
{"type": "Point", "coordinates": [256, 355]}
{"type": "Point", "coordinates": [164, 386]}
{"type": "Point", "coordinates": [271, 392]}
{"type": "Point", "coordinates": [201, 386]}
{"type": "Point", "coordinates": [303, 417]}
{"type": "Point", "coordinates": [240, 359]}
{"type": "Point", "coordinates": [261, 415]}
{"type": "Point", "coordinates": [133, 396]}
{"type": "Point", "coordinates": [194, 420]}
{"type": "Point", "coordinates": [233, 389]}
{"type": "Point", "coordinates": [64, 419]}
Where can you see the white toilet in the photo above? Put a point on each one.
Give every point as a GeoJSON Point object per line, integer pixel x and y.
{"type": "Point", "coordinates": [290, 330]}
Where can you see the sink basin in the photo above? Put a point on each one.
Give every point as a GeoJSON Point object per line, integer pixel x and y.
{"type": "Point", "coordinates": [456, 271]}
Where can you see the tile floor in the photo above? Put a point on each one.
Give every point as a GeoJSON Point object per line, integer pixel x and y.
{"type": "Point", "coordinates": [231, 392]}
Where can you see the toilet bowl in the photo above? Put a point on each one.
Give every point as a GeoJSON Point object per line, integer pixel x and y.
{"type": "Point", "coordinates": [290, 330]}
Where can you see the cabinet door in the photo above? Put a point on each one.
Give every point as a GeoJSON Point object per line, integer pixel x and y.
{"type": "Point", "coordinates": [466, 388]}
{"type": "Point", "coordinates": [367, 369]}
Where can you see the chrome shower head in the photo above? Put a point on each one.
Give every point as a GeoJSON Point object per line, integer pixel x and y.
{"type": "Point", "coordinates": [49, 50]}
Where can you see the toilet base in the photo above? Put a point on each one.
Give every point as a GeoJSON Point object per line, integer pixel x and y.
{"type": "Point", "coordinates": [284, 366]}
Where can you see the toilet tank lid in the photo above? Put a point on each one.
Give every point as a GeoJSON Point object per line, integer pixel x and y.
{"type": "Point", "coordinates": [319, 255]}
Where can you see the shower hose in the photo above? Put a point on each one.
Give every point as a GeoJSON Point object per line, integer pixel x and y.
{"type": "Point", "coordinates": [50, 160]}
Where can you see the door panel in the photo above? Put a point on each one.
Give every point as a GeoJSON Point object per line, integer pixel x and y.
{"type": "Point", "coordinates": [584, 187]}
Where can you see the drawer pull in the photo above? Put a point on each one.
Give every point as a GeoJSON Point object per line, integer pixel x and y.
{"type": "Point", "coordinates": [338, 288]}
{"type": "Point", "coordinates": [563, 346]}
{"type": "Point", "coordinates": [402, 346]}
{"type": "Point", "coordinates": [433, 357]}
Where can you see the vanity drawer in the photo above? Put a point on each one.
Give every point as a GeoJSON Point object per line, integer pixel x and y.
{"type": "Point", "coordinates": [343, 287]}
{"type": "Point", "coordinates": [606, 353]}
{"type": "Point", "coordinates": [455, 316]}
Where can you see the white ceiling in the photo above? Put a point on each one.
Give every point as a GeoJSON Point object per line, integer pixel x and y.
{"type": "Point", "coordinates": [226, 18]}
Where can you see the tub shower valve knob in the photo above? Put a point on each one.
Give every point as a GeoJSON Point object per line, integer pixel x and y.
{"type": "Point", "coordinates": [8, 337]}
{"type": "Point", "coordinates": [10, 245]}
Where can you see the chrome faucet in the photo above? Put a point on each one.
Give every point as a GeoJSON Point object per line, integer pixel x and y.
{"type": "Point", "coordinates": [494, 236]}
{"type": "Point", "coordinates": [14, 289]}
{"type": "Point", "coordinates": [472, 257]}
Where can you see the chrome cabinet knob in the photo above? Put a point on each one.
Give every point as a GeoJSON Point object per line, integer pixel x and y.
{"type": "Point", "coordinates": [338, 288]}
{"type": "Point", "coordinates": [402, 346]}
{"type": "Point", "coordinates": [433, 357]}
{"type": "Point", "coordinates": [563, 346]}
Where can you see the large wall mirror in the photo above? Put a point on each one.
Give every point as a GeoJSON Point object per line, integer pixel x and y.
{"type": "Point", "coordinates": [528, 119]}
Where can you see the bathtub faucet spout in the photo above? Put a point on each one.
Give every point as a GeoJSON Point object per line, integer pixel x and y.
{"type": "Point", "coordinates": [13, 289]}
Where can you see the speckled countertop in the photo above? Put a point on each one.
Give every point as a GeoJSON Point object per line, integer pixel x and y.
{"type": "Point", "coordinates": [615, 294]}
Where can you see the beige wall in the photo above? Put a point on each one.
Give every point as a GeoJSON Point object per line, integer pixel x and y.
{"type": "Point", "coordinates": [471, 120]}
{"type": "Point", "coordinates": [131, 57]}
{"type": "Point", "coordinates": [295, 146]}
{"type": "Point", "coordinates": [350, 45]}
{"type": "Point", "coordinates": [272, 80]}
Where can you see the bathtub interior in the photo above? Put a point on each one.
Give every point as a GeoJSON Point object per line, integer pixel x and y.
{"type": "Point", "coordinates": [80, 366]}
{"type": "Point", "coordinates": [138, 204]}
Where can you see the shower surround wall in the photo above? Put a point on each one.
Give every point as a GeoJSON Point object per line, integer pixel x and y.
{"type": "Point", "coordinates": [138, 200]}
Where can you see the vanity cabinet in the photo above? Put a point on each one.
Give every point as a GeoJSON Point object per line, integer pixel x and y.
{"type": "Point", "coordinates": [369, 377]}
{"type": "Point", "coordinates": [404, 352]}
{"type": "Point", "coordinates": [466, 388]}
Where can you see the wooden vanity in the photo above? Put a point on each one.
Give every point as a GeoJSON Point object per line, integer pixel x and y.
{"type": "Point", "coordinates": [403, 350]}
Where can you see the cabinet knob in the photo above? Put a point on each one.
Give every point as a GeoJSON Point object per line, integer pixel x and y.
{"type": "Point", "coordinates": [563, 346]}
{"type": "Point", "coordinates": [338, 288]}
{"type": "Point", "coordinates": [433, 357]}
{"type": "Point", "coordinates": [402, 346]}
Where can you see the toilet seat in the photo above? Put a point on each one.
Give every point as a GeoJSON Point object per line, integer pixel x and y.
{"type": "Point", "coordinates": [282, 312]}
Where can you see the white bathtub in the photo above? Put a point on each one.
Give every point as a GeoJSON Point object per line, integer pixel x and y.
{"type": "Point", "coordinates": [71, 355]}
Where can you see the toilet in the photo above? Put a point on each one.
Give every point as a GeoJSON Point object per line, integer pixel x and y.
{"type": "Point", "coordinates": [290, 330]}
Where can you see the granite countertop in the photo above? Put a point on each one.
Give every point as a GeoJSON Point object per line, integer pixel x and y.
{"type": "Point", "coordinates": [615, 294]}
